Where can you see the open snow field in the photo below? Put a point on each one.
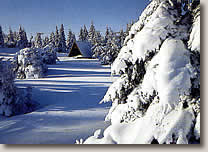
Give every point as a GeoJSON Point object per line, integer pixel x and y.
{"type": "Point", "coordinates": [69, 104]}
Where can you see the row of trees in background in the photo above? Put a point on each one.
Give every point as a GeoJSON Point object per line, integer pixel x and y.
{"type": "Point", "coordinates": [56, 40]}
{"type": "Point", "coordinates": [19, 39]}
{"type": "Point", "coordinates": [14, 39]}
{"type": "Point", "coordinates": [104, 46]}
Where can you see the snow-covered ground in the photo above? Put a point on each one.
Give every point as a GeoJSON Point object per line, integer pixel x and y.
{"type": "Point", "coordinates": [69, 104]}
{"type": "Point", "coordinates": [8, 53]}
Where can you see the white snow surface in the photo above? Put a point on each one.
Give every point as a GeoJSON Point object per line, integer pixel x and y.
{"type": "Point", "coordinates": [8, 54]}
{"type": "Point", "coordinates": [154, 125]}
{"type": "Point", "coordinates": [169, 73]}
{"type": "Point", "coordinates": [69, 104]}
{"type": "Point", "coordinates": [194, 42]}
{"type": "Point", "coordinates": [197, 127]}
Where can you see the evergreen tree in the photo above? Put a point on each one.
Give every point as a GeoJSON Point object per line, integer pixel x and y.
{"type": "Point", "coordinates": [15, 36]}
{"type": "Point", "coordinates": [22, 38]}
{"type": "Point", "coordinates": [143, 65]}
{"type": "Point", "coordinates": [91, 34]}
{"type": "Point", "coordinates": [128, 27]}
{"type": "Point", "coordinates": [81, 35]}
{"type": "Point", "coordinates": [52, 39]}
{"type": "Point", "coordinates": [121, 37]}
{"type": "Point", "coordinates": [10, 35]}
{"type": "Point", "coordinates": [62, 39]}
{"type": "Point", "coordinates": [85, 33]}
{"type": "Point", "coordinates": [25, 38]}
{"type": "Point", "coordinates": [108, 34]}
{"type": "Point", "coordinates": [1, 38]}
{"type": "Point", "coordinates": [112, 48]}
{"type": "Point", "coordinates": [31, 42]}
{"type": "Point", "coordinates": [97, 38]}
{"type": "Point", "coordinates": [38, 41]}
{"type": "Point", "coordinates": [70, 39]}
{"type": "Point", "coordinates": [57, 42]}
{"type": "Point", "coordinates": [45, 41]}
{"type": "Point", "coordinates": [10, 39]}
{"type": "Point", "coordinates": [107, 49]}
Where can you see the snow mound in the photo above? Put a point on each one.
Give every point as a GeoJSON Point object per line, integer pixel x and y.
{"type": "Point", "coordinates": [29, 64]}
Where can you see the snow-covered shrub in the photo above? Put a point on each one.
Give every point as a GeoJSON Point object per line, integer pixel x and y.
{"type": "Point", "coordinates": [157, 97]}
{"type": "Point", "coordinates": [13, 101]}
{"type": "Point", "coordinates": [49, 55]}
{"type": "Point", "coordinates": [29, 64]}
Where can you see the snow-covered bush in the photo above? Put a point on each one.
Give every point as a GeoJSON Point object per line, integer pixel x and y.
{"type": "Point", "coordinates": [49, 55]}
{"type": "Point", "coordinates": [29, 64]}
{"type": "Point", "coordinates": [13, 101]}
{"type": "Point", "coordinates": [157, 97]}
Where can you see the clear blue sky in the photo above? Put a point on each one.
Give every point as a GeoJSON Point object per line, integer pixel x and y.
{"type": "Point", "coordinates": [44, 15]}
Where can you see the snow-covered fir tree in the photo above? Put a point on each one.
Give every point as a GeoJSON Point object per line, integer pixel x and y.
{"type": "Point", "coordinates": [85, 33]}
{"type": "Point", "coordinates": [13, 101]}
{"type": "Point", "coordinates": [91, 33]}
{"type": "Point", "coordinates": [31, 43]}
{"type": "Point", "coordinates": [45, 41]}
{"type": "Point", "coordinates": [57, 39]}
{"type": "Point", "coordinates": [38, 41]}
{"type": "Point", "coordinates": [128, 27]}
{"type": "Point", "coordinates": [15, 36]}
{"type": "Point", "coordinates": [81, 35]}
{"type": "Point", "coordinates": [25, 38]}
{"type": "Point", "coordinates": [156, 99]}
{"type": "Point", "coordinates": [121, 37]}
{"type": "Point", "coordinates": [1, 37]}
{"type": "Point", "coordinates": [62, 40]}
{"type": "Point", "coordinates": [52, 39]}
{"type": "Point", "coordinates": [107, 49]}
{"type": "Point", "coordinates": [22, 38]}
{"type": "Point", "coordinates": [107, 33]}
{"type": "Point", "coordinates": [112, 48]}
{"type": "Point", "coordinates": [10, 39]}
{"type": "Point", "coordinates": [98, 39]}
{"type": "Point", "coordinates": [70, 39]}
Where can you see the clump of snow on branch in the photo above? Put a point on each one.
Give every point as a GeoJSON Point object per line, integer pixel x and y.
{"type": "Point", "coordinates": [194, 41]}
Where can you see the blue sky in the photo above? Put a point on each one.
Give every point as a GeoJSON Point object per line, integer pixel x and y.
{"type": "Point", "coordinates": [44, 15]}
